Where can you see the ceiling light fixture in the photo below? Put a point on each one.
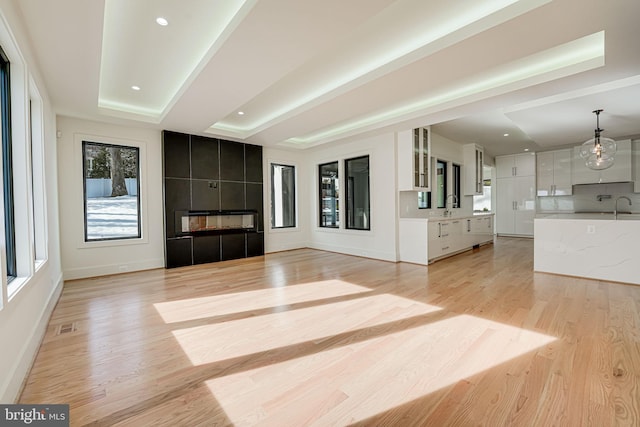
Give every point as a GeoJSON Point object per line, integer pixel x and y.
{"type": "Point", "coordinates": [134, 87]}
{"type": "Point", "coordinates": [241, 113]}
{"type": "Point", "coordinates": [506, 134]}
{"type": "Point", "coordinates": [598, 152]}
{"type": "Point", "coordinates": [162, 21]}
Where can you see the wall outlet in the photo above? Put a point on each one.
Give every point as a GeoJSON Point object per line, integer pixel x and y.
{"type": "Point", "coordinates": [591, 229]}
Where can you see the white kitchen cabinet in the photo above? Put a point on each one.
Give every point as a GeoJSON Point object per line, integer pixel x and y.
{"type": "Point", "coordinates": [553, 176]}
{"type": "Point", "coordinates": [473, 156]}
{"type": "Point", "coordinates": [438, 238]}
{"type": "Point", "coordinates": [620, 171]}
{"type": "Point", "coordinates": [414, 164]}
{"type": "Point", "coordinates": [516, 165]}
{"type": "Point", "coordinates": [479, 230]}
{"type": "Point", "coordinates": [452, 235]}
{"type": "Point", "coordinates": [516, 197]}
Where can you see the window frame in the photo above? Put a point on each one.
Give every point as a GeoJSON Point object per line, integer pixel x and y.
{"type": "Point", "coordinates": [78, 231]}
{"type": "Point", "coordinates": [294, 201]}
{"type": "Point", "coordinates": [336, 196]}
{"type": "Point", "coordinates": [84, 193]}
{"type": "Point", "coordinates": [349, 188]}
{"type": "Point", "coordinates": [456, 189]}
{"type": "Point", "coordinates": [11, 263]}
{"type": "Point", "coordinates": [444, 184]}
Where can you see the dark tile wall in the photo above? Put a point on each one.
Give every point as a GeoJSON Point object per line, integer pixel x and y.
{"type": "Point", "coordinates": [210, 174]}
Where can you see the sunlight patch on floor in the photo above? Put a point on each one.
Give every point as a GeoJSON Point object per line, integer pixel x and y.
{"type": "Point", "coordinates": [247, 336]}
{"type": "Point", "coordinates": [217, 305]}
{"type": "Point", "coordinates": [351, 383]}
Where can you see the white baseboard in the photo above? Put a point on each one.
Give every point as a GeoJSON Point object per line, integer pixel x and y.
{"type": "Point", "coordinates": [104, 270]}
{"type": "Point", "coordinates": [380, 255]}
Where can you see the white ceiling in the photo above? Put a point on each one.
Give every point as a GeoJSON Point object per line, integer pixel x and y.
{"type": "Point", "coordinates": [311, 72]}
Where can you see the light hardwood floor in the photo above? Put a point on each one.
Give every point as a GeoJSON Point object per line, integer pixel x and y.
{"type": "Point", "coordinates": [315, 338]}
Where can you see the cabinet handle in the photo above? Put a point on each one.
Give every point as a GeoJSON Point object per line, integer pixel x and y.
{"type": "Point", "coordinates": [445, 248]}
{"type": "Point", "coordinates": [439, 230]}
{"type": "Point", "coordinates": [513, 171]}
{"type": "Point", "coordinates": [468, 226]}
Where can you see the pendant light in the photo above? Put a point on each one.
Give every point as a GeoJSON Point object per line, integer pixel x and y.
{"type": "Point", "coordinates": [598, 152]}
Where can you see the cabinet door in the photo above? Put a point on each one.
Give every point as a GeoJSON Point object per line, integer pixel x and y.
{"type": "Point", "coordinates": [413, 162]}
{"type": "Point", "coordinates": [562, 185]}
{"type": "Point", "coordinates": [456, 236]}
{"type": "Point", "coordinates": [545, 176]}
{"type": "Point", "coordinates": [524, 193]}
{"type": "Point", "coordinates": [505, 206]}
{"type": "Point", "coordinates": [504, 166]}
{"type": "Point", "coordinates": [525, 164]}
{"type": "Point", "coordinates": [621, 169]}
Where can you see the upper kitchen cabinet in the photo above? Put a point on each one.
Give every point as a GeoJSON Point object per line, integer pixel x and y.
{"type": "Point", "coordinates": [621, 170]}
{"type": "Point", "coordinates": [516, 165]}
{"type": "Point", "coordinates": [414, 153]}
{"type": "Point", "coordinates": [553, 176]}
{"type": "Point", "coordinates": [473, 156]}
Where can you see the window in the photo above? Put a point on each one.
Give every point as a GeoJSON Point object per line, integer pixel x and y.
{"type": "Point", "coordinates": [455, 172]}
{"type": "Point", "coordinates": [38, 189]}
{"type": "Point", "coordinates": [357, 190]}
{"type": "Point", "coordinates": [111, 191]}
{"type": "Point", "coordinates": [424, 200]}
{"type": "Point", "coordinates": [7, 166]}
{"type": "Point", "coordinates": [329, 195]}
{"type": "Point", "coordinates": [441, 184]}
{"type": "Point", "coordinates": [283, 196]}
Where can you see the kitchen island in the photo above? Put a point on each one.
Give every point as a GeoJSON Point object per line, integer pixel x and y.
{"type": "Point", "coordinates": [596, 246]}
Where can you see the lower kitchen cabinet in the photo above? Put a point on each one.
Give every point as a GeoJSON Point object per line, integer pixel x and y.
{"type": "Point", "coordinates": [452, 235]}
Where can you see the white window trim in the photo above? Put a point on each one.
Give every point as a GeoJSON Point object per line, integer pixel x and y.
{"type": "Point", "coordinates": [78, 188]}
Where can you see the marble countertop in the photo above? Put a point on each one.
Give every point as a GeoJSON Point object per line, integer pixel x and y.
{"type": "Point", "coordinates": [591, 216]}
{"type": "Point", "coordinates": [447, 218]}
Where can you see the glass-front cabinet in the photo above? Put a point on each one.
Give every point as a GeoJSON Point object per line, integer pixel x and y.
{"type": "Point", "coordinates": [414, 159]}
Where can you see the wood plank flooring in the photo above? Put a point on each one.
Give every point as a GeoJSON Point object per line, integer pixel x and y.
{"type": "Point", "coordinates": [321, 339]}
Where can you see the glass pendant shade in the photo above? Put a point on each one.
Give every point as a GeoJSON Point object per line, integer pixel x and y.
{"type": "Point", "coordinates": [598, 152]}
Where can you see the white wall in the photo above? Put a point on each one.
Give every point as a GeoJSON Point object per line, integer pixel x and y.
{"type": "Point", "coordinates": [380, 241]}
{"type": "Point", "coordinates": [87, 259]}
{"type": "Point", "coordinates": [287, 238]}
{"type": "Point", "coordinates": [24, 315]}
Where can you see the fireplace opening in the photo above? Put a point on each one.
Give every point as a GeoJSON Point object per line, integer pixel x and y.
{"type": "Point", "coordinates": [190, 223]}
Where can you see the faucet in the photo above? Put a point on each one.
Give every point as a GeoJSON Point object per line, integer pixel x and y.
{"type": "Point", "coordinates": [615, 210]}
{"type": "Point", "coordinates": [447, 212]}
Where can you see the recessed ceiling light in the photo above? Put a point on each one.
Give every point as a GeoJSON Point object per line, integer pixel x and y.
{"type": "Point", "coordinates": [134, 87]}
{"type": "Point", "coordinates": [241, 113]}
{"type": "Point", "coordinates": [162, 21]}
{"type": "Point", "coordinates": [526, 149]}
{"type": "Point", "coordinates": [506, 134]}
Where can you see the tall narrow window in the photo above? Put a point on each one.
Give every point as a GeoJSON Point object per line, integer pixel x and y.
{"type": "Point", "coordinates": [111, 191]}
{"type": "Point", "coordinates": [283, 196]}
{"type": "Point", "coordinates": [329, 195]}
{"type": "Point", "coordinates": [7, 166]}
{"type": "Point", "coordinates": [455, 172]}
{"type": "Point", "coordinates": [424, 200]}
{"type": "Point", "coordinates": [441, 184]}
{"type": "Point", "coordinates": [357, 191]}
